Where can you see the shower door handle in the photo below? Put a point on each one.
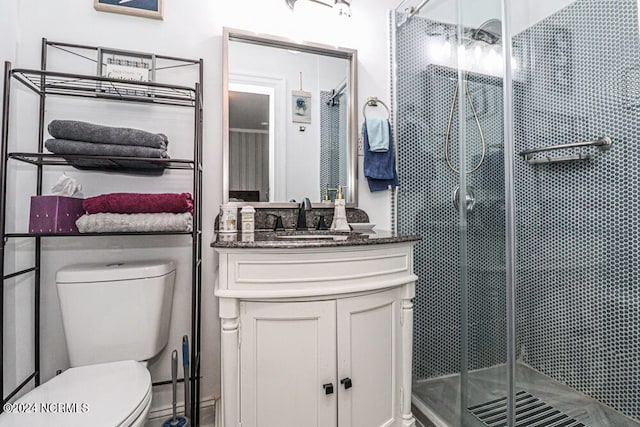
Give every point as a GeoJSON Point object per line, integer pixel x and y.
{"type": "Point", "coordinates": [469, 198]}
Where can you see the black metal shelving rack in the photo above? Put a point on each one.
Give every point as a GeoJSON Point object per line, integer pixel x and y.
{"type": "Point", "coordinates": [45, 83]}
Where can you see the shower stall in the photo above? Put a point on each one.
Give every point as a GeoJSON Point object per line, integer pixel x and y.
{"type": "Point", "coordinates": [516, 124]}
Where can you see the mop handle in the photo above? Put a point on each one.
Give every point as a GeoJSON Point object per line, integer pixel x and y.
{"type": "Point", "coordinates": [174, 378]}
{"type": "Point", "coordinates": [185, 365]}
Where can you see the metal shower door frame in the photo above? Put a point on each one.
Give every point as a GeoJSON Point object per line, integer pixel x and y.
{"type": "Point", "coordinates": [510, 231]}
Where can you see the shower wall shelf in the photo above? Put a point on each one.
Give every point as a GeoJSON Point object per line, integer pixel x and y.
{"type": "Point", "coordinates": [603, 144]}
{"type": "Point", "coordinates": [45, 83]}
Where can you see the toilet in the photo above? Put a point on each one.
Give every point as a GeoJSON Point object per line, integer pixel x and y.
{"type": "Point", "coordinates": [116, 317]}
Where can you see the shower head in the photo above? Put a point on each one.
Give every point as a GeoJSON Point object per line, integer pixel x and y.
{"type": "Point", "coordinates": [489, 32]}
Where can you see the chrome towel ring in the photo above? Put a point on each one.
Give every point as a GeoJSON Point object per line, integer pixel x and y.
{"type": "Point", "coordinates": [373, 101]}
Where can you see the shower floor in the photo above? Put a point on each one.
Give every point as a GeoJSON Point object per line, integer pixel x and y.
{"type": "Point", "coordinates": [438, 398]}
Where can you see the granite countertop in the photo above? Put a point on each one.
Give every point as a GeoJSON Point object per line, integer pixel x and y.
{"type": "Point", "coordinates": [278, 239]}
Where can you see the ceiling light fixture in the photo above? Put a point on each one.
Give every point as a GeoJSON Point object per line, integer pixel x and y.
{"type": "Point", "coordinates": [343, 7]}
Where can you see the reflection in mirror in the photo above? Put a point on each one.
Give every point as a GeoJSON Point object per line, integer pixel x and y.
{"type": "Point", "coordinates": [250, 141]}
{"type": "Point", "coordinates": [290, 126]}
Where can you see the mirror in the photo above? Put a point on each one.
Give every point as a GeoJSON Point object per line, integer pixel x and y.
{"type": "Point", "coordinates": [290, 125]}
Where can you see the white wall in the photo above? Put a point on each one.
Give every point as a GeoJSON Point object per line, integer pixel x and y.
{"type": "Point", "coordinates": [15, 294]}
{"type": "Point", "coordinates": [189, 29]}
{"type": "Point", "coordinates": [8, 31]}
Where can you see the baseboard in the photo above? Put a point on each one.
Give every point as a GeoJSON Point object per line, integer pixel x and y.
{"type": "Point", "coordinates": [208, 414]}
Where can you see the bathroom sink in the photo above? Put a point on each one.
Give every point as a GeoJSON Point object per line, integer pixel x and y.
{"type": "Point", "coordinates": [314, 237]}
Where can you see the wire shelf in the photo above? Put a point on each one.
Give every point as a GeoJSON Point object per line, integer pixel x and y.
{"type": "Point", "coordinates": [43, 82]}
{"type": "Point", "coordinates": [110, 163]}
{"type": "Point", "coordinates": [119, 233]}
{"type": "Point", "coordinates": [66, 84]}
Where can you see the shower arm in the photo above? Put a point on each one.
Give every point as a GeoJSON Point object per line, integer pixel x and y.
{"type": "Point", "coordinates": [415, 10]}
{"type": "Point", "coordinates": [337, 92]}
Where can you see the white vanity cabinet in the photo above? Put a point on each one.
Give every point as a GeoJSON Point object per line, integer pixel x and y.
{"type": "Point", "coordinates": [317, 337]}
{"type": "Point", "coordinates": [287, 352]}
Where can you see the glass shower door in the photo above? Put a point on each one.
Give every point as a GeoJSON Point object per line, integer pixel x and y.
{"type": "Point", "coordinates": [485, 382]}
{"type": "Point", "coordinates": [450, 130]}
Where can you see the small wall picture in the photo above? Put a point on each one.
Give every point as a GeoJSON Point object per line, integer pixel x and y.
{"type": "Point", "coordinates": [301, 106]}
{"type": "Point", "coordinates": [126, 66]}
{"type": "Point", "coordinates": [144, 8]}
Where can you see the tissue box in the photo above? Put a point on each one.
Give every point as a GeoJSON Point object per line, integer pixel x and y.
{"type": "Point", "coordinates": [54, 214]}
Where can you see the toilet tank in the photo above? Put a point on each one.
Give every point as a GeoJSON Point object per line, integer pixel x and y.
{"type": "Point", "coordinates": [117, 311]}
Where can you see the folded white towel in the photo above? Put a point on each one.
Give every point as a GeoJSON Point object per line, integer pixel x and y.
{"type": "Point", "coordinates": [111, 222]}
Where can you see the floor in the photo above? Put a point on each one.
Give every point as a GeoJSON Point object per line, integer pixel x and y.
{"type": "Point", "coordinates": [441, 397]}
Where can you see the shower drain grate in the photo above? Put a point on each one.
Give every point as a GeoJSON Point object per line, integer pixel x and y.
{"type": "Point", "coordinates": [530, 412]}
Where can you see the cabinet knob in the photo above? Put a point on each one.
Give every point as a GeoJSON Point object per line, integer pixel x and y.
{"type": "Point", "coordinates": [346, 382]}
{"type": "Point", "coordinates": [328, 388]}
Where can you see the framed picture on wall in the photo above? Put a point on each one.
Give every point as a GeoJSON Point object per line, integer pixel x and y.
{"type": "Point", "coordinates": [144, 8]}
{"type": "Point", "coordinates": [126, 66]}
{"type": "Point", "coordinates": [301, 106]}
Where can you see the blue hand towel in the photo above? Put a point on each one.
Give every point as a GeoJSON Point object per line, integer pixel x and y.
{"type": "Point", "coordinates": [379, 168]}
{"type": "Point", "coordinates": [379, 134]}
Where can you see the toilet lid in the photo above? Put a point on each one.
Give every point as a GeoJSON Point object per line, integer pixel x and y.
{"type": "Point", "coordinates": [107, 394]}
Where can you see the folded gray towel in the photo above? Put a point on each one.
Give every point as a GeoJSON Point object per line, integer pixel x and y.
{"type": "Point", "coordinates": [64, 146]}
{"type": "Point", "coordinates": [89, 132]}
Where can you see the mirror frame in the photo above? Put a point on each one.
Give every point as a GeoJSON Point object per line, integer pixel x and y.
{"type": "Point", "coordinates": [231, 34]}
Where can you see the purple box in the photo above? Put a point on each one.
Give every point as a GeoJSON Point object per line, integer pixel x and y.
{"type": "Point", "coordinates": [54, 214]}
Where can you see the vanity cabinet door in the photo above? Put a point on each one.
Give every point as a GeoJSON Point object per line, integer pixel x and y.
{"type": "Point", "coordinates": [287, 354]}
{"type": "Point", "coordinates": [369, 346]}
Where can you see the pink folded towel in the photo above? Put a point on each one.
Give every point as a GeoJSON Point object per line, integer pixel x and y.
{"type": "Point", "coordinates": [128, 203]}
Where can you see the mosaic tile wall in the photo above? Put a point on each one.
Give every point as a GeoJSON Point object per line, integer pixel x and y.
{"type": "Point", "coordinates": [578, 288]}
{"type": "Point", "coordinates": [425, 207]}
{"type": "Point", "coordinates": [333, 170]}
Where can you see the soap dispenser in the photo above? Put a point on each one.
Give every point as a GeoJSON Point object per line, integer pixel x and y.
{"type": "Point", "coordinates": [340, 213]}
{"type": "Point", "coordinates": [325, 197]}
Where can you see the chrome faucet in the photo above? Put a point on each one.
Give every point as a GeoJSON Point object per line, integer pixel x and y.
{"type": "Point", "coordinates": [305, 206]}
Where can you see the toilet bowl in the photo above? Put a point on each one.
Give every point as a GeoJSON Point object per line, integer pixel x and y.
{"type": "Point", "coordinates": [115, 317]}
{"type": "Point", "coordinates": [108, 394]}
